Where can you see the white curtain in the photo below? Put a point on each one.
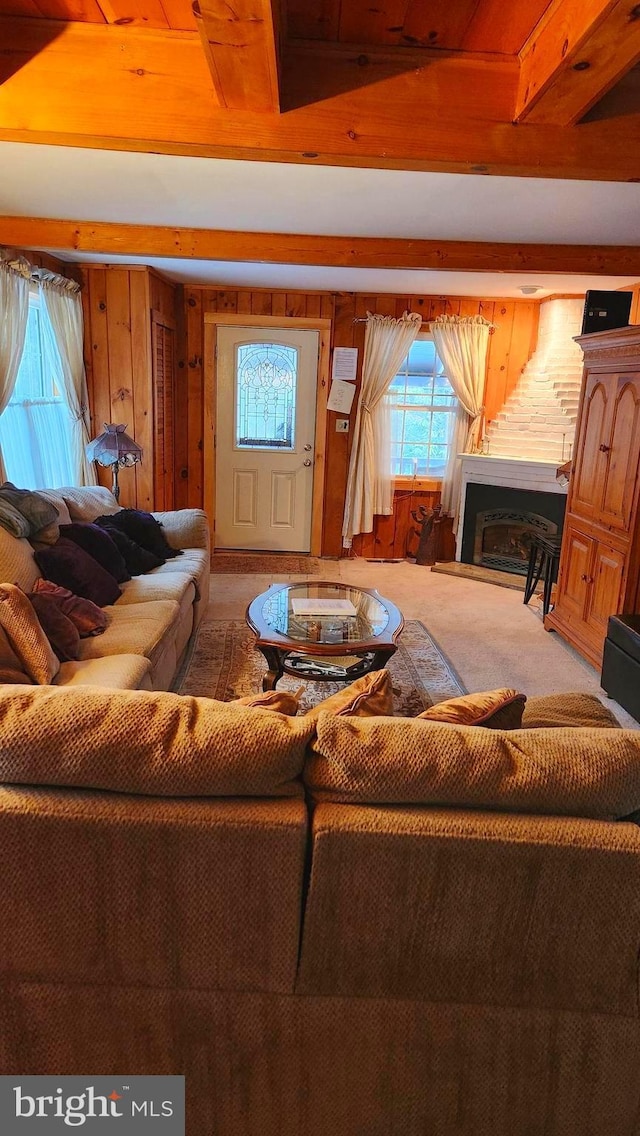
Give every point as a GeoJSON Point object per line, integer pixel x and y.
{"type": "Point", "coordinates": [369, 486]}
{"type": "Point", "coordinates": [14, 310]}
{"type": "Point", "coordinates": [462, 342]}
{"type": "Point", "coordinates": [61, 298]}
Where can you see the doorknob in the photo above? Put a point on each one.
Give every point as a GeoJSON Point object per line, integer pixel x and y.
{"type": "Point", "coordinates": [308, 446]}
{"type": "Point", "coordinates": [307, 462]}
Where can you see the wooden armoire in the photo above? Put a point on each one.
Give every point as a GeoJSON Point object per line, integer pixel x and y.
{"type": "Point", "coordinates": [599, 571]}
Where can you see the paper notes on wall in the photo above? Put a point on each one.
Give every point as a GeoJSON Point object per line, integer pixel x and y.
{"type": "Point", "coordinates": [345, 363]}
{"type": "Point", "coordinates": [341, 396]}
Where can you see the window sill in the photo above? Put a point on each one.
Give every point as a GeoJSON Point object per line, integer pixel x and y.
{"type": "Point", "coordinates": [423, 484]}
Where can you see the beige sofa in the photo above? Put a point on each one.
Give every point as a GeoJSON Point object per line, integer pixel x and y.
{"type": "Point", "coordinates": [152, 622]}
{"type": "Point", "coordinates": [380, 965]}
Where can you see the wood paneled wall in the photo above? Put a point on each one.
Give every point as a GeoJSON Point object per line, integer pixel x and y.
{"type": "Point", "coordinates": [510, 346]}
{"type": "Point", "coordinates": [118, 302]}
{"type": "Point", "coordinates": [117, 313]}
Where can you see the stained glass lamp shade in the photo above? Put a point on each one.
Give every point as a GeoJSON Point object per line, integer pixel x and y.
{"type": "Point", "coordinates": [114, 448]}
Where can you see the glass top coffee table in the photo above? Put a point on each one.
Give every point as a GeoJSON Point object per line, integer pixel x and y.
{"type": "Point", "coordinates": [323, 631]}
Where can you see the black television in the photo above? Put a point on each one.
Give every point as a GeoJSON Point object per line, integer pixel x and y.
{"type": "Point", "coordinates": [605, 310]}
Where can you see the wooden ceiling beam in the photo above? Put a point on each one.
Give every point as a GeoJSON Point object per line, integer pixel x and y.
{"type": "Point", "coordinates": [108, 239]}
{"type": "Point", "coordinates": [241, 44]}
{"type": "Point", "coordinates": [126, 88]}
{"type": "Point", "coordinates": [577, 53]}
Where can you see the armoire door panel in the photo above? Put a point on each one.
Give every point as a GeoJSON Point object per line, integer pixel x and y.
{"type": "Point", "coordinates": [591, 448]}
{"type": "Point", "coordinates": [573, 586]}
{"type": "Point", "coordinates": [623, 455]}
{"type": "Point", "coordinates": [606, 588]}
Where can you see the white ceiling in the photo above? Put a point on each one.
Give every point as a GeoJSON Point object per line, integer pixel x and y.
{"type": "Point", "coordinates": [155, 189]}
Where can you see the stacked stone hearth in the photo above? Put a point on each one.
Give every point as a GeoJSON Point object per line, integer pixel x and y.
{"type": "Point", "coordinates": [538, 420]}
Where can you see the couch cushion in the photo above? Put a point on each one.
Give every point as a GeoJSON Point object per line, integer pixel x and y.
{"type": "Point", "coordinates": [122, 672]}
{"type": "Point", "coordinates": [136, 629]}
{"type": "Point", "coordinates": [494, 709]}
{"type": "Point", "coordinates": [17, 565]}
{"type": "Point", "coordinates": [553, 710]}
{"type": "Point", "coordinates": [87, 503]}
{"type": "Point", "coordinates": [151, 743]}
{"type": "Point", "coordinates": [574, 772]}
{"type": "Point", "coordinates": [26, 635]}
{"type": "Point", "coordinates": [193, 560]}
{"type": "Point", "coordinates": [151, 587]}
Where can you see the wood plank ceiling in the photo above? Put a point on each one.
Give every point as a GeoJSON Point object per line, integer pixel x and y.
{"type": "Point", "coordinates": [537, 88]}
{"type": "Point", "coordinates": [457, 85]}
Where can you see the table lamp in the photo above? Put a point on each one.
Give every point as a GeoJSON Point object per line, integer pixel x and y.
{"type": "Point", "coordinates": [114, 448]}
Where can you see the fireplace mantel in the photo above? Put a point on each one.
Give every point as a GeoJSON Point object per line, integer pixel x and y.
{"type": "Point", "coordinates": [514, 473]}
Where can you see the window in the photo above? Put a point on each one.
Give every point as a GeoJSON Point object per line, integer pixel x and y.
{"type": "Point", "coordinates": [265, 396]}
{"type": "Point", "coordinates": [422, 410]}
{"type": "Point", "coordinates": [35, 427]}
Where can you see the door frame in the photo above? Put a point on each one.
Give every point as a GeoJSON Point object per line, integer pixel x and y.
{"type": "Point", "coordinates": [213, 320]}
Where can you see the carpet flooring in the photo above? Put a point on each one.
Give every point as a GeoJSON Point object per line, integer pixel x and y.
{"type": "Point", "coordinates": [224, 663]}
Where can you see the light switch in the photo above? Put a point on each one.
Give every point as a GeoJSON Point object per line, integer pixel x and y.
{"type": "Point", "coordinates": [342, 425]}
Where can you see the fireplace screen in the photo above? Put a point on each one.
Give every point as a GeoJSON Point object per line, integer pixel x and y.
{"type": "Point", "coordinates": [503, 538]}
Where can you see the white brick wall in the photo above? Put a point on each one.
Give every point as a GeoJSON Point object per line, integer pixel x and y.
{"type": "Point", "coordinates": [538, 420]}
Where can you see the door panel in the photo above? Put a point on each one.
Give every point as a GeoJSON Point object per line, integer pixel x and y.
{"type": "Point", "coordinates": [591, 461]}
{"type": "Point", "coordinates": [245, 497]}
{"type": "Point", "coordinates": [266, 380]}
{"type": "Point", "coordinates": [574, 583]}
{"type": "Point", "coordinates": [623, 455]}
{"type": "Point", "coordinates": [606, 589]}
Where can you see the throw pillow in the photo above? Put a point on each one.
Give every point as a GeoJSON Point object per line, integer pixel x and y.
{"type": "Point", "coordinates": [405, 761]}
{"type": "Point", "coordinates": [137, 559]}
{"type": "Point", "coordinates": [145, 530]}
{"type": "Point", "coordinates": [85, 615]}
{"type": "Point", "coordinates": [494, 709]}
{"type": "Point", "coordinates": [38, 512]}
{"type": "Point", "coordinates": [27, 638]}
{"type": "Point", "coordinates": [281, 701]}
{"type": "Point", "coordinates": [11, 668]}
{"type": "Point", "coordinates": [547, 711]}
{"type": "Point", "coordinates": [58, 628]}
{"type": "Point", "coordinates": [73, 568]}
{"type": "Point", "coordinates": [98, 543]}
{"type": "Point", "coordinates": [367, 697]}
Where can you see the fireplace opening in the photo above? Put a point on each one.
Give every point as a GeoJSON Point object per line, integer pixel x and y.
{"type": "Point", "coordinates": [503, 538]}
{"type": "Point", "coordinates": [500, 523]}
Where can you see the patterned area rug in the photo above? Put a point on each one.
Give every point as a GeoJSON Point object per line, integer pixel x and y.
{"type": "Point", "coordinates": [268, 562]}
{"type": "Point", "coordinates": [224, 663]}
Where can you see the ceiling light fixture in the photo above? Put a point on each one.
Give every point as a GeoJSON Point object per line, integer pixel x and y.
{"type": "Point", "coordinates": [530, 289]}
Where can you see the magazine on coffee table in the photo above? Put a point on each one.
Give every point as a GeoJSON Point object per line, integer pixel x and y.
{"type": "Point", "coordinates": [308, 607]}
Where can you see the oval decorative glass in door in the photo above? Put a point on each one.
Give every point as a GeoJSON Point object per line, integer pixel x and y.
{"type": "Point", "coordinates": [266, 381]}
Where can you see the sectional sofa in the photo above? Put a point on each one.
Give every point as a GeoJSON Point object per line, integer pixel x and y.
{"type": "Point", "coordinates": [151, 623]}
{"type": "Point", "coordinates": [331, 927]}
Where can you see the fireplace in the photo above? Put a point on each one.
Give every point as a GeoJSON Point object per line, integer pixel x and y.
{"type": "Point", "coordinates": [500, 522]}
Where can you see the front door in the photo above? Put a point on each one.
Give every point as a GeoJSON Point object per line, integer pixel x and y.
{"type": "Point", "coordinates": [265, 435]}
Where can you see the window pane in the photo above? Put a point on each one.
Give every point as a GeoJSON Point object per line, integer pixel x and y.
{"type": "Point", "coordinates": [266, 379]}
{"type": "Point", "coordinates": [35, 428]}
{"type": "Point", "coordinates": [30, 380]}
{"type": "Point", "coordinates": [422, 403]}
